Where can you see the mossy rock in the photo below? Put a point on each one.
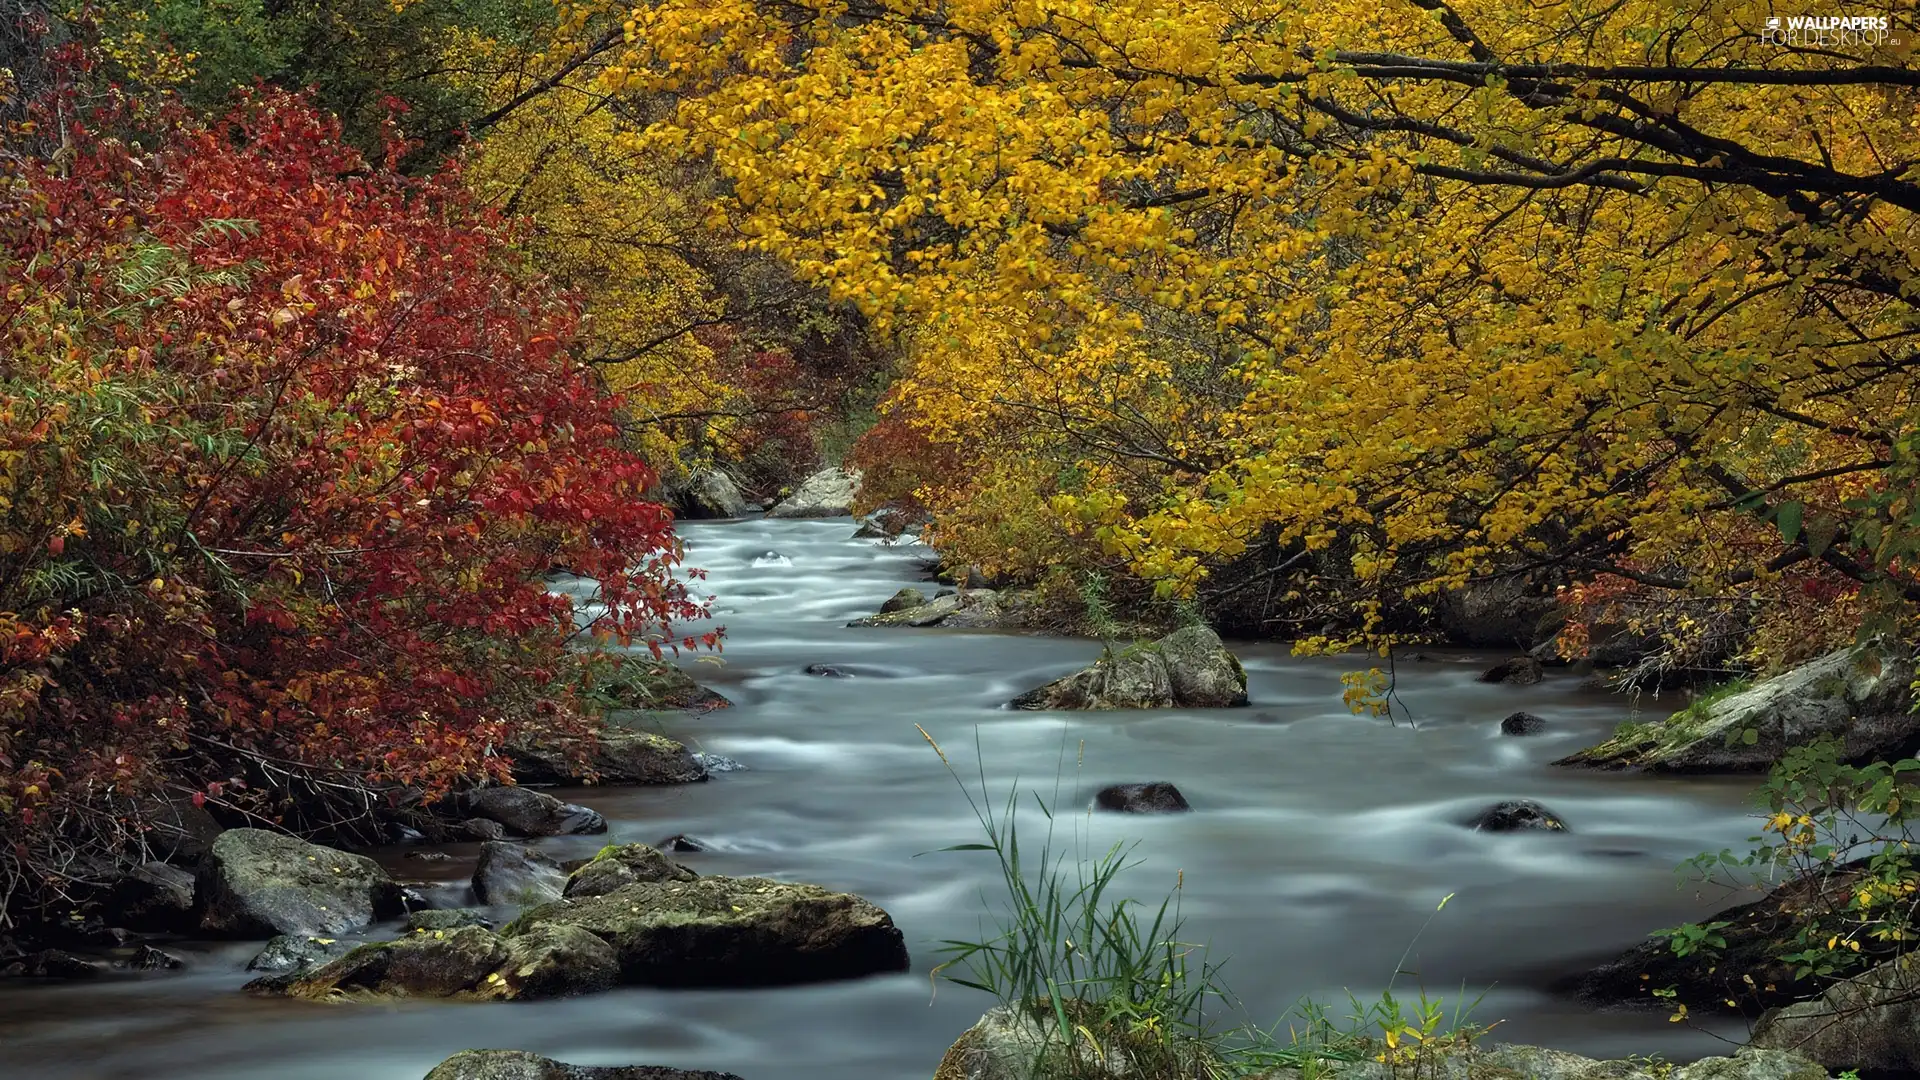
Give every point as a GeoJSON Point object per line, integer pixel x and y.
{"type": "Point", "coordinates": [620, 865]}
{"type": "Point", "coordinates": [719, 931]}
{"type": "Point", "coordinates": [1189, 668]}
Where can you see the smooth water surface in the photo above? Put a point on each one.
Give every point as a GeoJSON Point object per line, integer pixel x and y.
{"type": "Point", "coordinates": [1319, 845]}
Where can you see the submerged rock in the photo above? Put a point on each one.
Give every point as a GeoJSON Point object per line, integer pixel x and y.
{"type": "Point", "coordinates": [516, 874]}
{"type": "Point", "coordinates": [1522, 723]}
{"type": "Point", "coordinates": [520, 1065]}
{"type": "Point", "coordinates": [1517, 815]}
{"type": "Point", "coordinates": [1519, 671]}
{"type": "Point", "coordinates": [976, 609]}
{"type": "Point", "coordinates": [526, 812]}
{"type": "Point", "coordinates": [827, 671]}
{"type": "Point", "coordinates": [1157, 797]}
{"type": "Point", "coordinates": [148, 958]}
{"type": "Point", "coordinates": [718, 931]}
{"type": "Point", "coordinates": [50, 964]}
{"type": "Point", "coordinates": [620, 865]}
{"type": "Point", "coordinates": [447, 919]}
{"type": "Point", "coordinates": [717, 763]}
{"type": "Point", "coordinates": [254, 883]}
{"type": "Point", "coordinates": [827, 493]}
{"type": "Point", "coordinates": [1859, 695]}
{"type": "Point", "coordinates": [1188, 668]}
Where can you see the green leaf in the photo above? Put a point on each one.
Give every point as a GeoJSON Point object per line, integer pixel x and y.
{"type": "Point", "coordinates": [1820, 533]}
{"type": "Point", "coordinates": [1750, 736]}
{"type": "Point", "coordinates": [1787, 517]}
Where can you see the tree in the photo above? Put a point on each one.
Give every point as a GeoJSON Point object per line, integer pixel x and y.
{"type": "Point", "coordinates": [288, 443]}
{"type": "Point", "coordinates": [1450, 288]}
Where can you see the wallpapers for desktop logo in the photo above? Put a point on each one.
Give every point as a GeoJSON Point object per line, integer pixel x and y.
{"type": "Point", "coordinates": [1828, 31]}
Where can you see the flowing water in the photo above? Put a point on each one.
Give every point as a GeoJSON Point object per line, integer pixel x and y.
{"type": "Point", "coordinates": [1319, 845]}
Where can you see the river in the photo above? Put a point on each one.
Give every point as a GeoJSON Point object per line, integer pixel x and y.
{"type": "Point", "coordinates": [1320, 844]}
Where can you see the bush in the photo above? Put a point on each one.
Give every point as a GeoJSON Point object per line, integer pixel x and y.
{"type": "Point", "coordinates": [287, 444]}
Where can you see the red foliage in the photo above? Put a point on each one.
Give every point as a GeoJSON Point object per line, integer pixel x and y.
{"type": "Point", "coordinates": [287, 445]}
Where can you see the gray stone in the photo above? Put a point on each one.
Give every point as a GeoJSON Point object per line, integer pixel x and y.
{"type": "Point", "coordinates": [906, 598]}
{"type": "Point", "coordinates": [1499, 613]}
{"type": "Point", "coordinates": [152, 897]}
{"type": "Point", "coordinates": [617, 755]}
{"type": "Point", "coordinates": [827, 493]}
{"type": "Point", "coordinates": [297, 954]}
{"type": "Point", "coordinates": [1522, 723]}
{"type": "Point", "coordinates": [1519, 671]}
{"type": "Point", "coordinates": [509, 873]}
{"type": "Point", "coordinates": [711, 493]}
{"type": "Point", "coordinates": [520, 1065]}
{"type": "Point", "coordinates": [1189, 668]}
{"type": "Point", "coordinates": [526, 812]}
{"type": "Point", "coordinates": [1017, 1044]}
{"type": "Point", "coordinates": [1501, 1061]}
{"type": "Point", "coordinates": [1869, 1023]}
{"type": "Point", "coordinates": [469, 963]}
{"type": "Point", "coordinates": [447, 919]}
{"type": "Point", "coordinates": [620, 865]}
{"type": "Point", "coordinates": [1858, 695]}
{"type": "Point", "coordinates": [254, 883]}
{"type": "Point", "coordinates": [717, 931]}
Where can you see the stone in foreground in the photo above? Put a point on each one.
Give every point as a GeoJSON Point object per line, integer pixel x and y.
{"type": "Point", "coordinates": [515, 874]}
{"type": "Point", "coordinates": [1859, 695]}
{"type": "Point", "coordinates": [255, 883]}
{"type": "Point", "coordinates": [1869, 1023]}
{"type": "Point", "coordinates": [718, 931]}
{"type": "Point", "coordinates": [520, 1065]}
{"type": "Point", "coordinates": [1189, 668]}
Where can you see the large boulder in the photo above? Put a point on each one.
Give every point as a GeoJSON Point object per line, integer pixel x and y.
{"type": "Point", "coordinates": [525, 812]}
{"type": "Point", "coordinates": [1869, 1023]}
{"type": "Point", "coordinates": [827, 493]}
{"type": "Point", "coordinates": [618, 755]}
{"type": "Point", "coordinates": [710, 493]}
{"type": "Point", "coordinates": [717, 931]}
{"type": "Point", "coordinates": [1756, 934]}
{"type": "Point", "coordinates": [468, 963]}
{"type": "Point", "coordinates": [620, 865]}
{"type": "Point", "coordinates": [1188, 668]}
{"type": "Point", "coordinates": [516, 874]}
{"type": "Point", "coordinates": [521, 1065]}
{"type": "Point", "coordinates": [255, 883]}
{"type": "Point", "coordinates": [1859, 695]}
{"type": "Point", "coordinates": [1022, 1044]}
{"type": "Point", "coordinates": [1519, 671]}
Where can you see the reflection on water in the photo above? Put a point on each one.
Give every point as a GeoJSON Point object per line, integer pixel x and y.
{"type": "Point", "coordinates": [1319, 844]}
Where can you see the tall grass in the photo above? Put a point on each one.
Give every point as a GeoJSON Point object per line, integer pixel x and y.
{"type": "Point", "coordinates": [1122, 993]}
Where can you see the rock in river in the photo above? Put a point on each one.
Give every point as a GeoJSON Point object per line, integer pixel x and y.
{"type": "Point", "coordinates": [1517, 815]}
{"type": "Point", "coordinates": [1157, 797]}
{"type": "Point", "coordinates": [620, 865]}
{"type": "Point", "coordinates": [718, 931]}
{"type": "Point", "coordinates": [827, 493]}
{"type": "Point", "coordinates": [1858, 695]}
{"type": "Point", "coordinates": [1190, 668]}
{"type": "Point", "coordinates": [297, 954]}
{"type": "Point", "coordinates": [470, 963]}
{"type": "Point", "coordinates": [1869, 1023]}
{"type": "Point", "coordinates": [526, 812]}
{"type": "Point", "coordinates": [1522, 723]}
{"type": "Point", "coordinates": [153, 897]}
{"type": "Point", "coordinates": [254, 883]}
{"type": "Point", "coordinates": [1519, 671]}
{"type": "Point", "coordinates": [616, 755]}
{"type": "Point", "coordinates": [516, 874]}
{"type": "Point", "coordinates": [520, 1065]}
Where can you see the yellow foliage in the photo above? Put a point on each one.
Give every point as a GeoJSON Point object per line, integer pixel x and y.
{"type": "Point", "coordinates": [1471, 282]}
